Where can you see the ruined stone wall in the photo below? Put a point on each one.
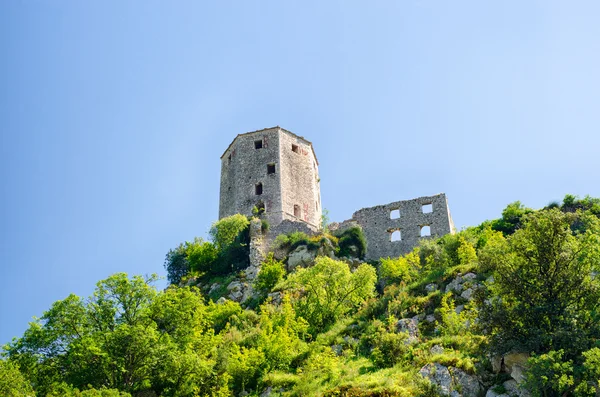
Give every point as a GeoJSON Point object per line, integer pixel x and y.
{"type": "Point", "coordinates": [406, 222]}
{"type": "Point", "coordinates": [301, 198]}
{"type": "Point", "coordinates": [243, 167]}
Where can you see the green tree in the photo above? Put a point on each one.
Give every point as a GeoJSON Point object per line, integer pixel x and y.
{"type": "Point", "coordinates": [12, 381]}
{"type": "Point", "coordinates": [127, 337]}
{"type": "Point", "coordinates": [328, 290]}
{"type": "Point", "coordinates": [511, 219]}
{"type": "Point", "coordinates": [544, 296]}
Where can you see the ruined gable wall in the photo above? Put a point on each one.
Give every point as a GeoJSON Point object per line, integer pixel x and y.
{"type": "Point", "coordinates": [378, 226]}
{"type": "Point", "coordinates": [247, 168]}
{"type": "Point", "coordinates": [299, 181]}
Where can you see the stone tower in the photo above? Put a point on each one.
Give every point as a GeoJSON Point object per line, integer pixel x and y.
{"type": "Point", "coordinates": [275, 171]}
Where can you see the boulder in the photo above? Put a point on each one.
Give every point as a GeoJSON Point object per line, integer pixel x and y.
{"type": "Point", "coordinates": [409, 326]}
{"type": "Point", "coordinates": [496, 362]}
{"type": "Point", "coordinates": [468, 384]}
{"type": "Point", "coordinates": [438, 375]}
{"type": "Point", "coordinates": [515, 364]}
{"type": "Point", "coordinates": [301, 256]}
{"type": "Point", "coordinates": [492, 393]}
{"type": "Point", "coordinates": [514, 390]}
{"type": "Point", "coordinates": [431, 287]}
{"type": "Point", "coordinates": [467, 294]}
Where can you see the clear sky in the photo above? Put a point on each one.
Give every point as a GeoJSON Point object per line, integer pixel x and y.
{"type": "Point", "coordinates": [113, 115]}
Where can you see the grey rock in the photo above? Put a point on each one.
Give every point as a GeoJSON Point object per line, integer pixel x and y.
{"type": "Point", "coordinates": [436, 349]}
{"type": "Point", "coordinates": [337, 349]}
{"type": "Point", "coordinates": [430, 318]}
{"type": "Point", "coordinates": [492, 393]}
{"type": "Point", "coordinates": [301, 256]}
{"type": "Point", "coordinates": [275, 297]}
{"type": "Point", "coordinates": [214, 287]}
{"type": "Point", "coordinates": [468, 384]}
{"type": "Point", "coordinates": [514, 390]}
{"type": "Point", "coordinates": [458, 309]}
{"type": "Point", "coordinates": [515, 364]}
{"type": "Point", "coordinates": [469, 277]}
{"type": "Point", "coordinates": [467, 294]}
{"type": "Point", "coordinates": [221, 300]}
{"type": "Point", "coordinates": [438, 375]}
{"type": "Point", "coordinates": [409, 326]}
{"type": "Point", "coordinates": [267, 392]}
{"type": "Point", "coordinates": [431, 287]}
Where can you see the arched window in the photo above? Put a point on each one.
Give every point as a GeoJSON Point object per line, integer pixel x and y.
{"type": "Point", "coordinates": [396, 235]}
{"type": "Point", "coordinates": [297, 212]}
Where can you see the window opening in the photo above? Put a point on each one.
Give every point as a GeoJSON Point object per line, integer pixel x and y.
{"type": "Point", "coordinates": [295, 148]}
{"type": "Point", "coordinates": [396, 235]}
{"type": "Point", "coordinates": [260, 207]}
{"type": "Point", "coordinates": [258, 144]}
{"type": "Point", "coordinates": [258, 189]}
{"type": "Point", "coordinates": [297, 211]}
{"type": "Point", "coordinates": [427, 208]}
{"type": "Point", "coordinates": [425, 231]}
{"type": "Point", "coordinates": [271, 168]}
{"type": "Point", "coordinates": [229, 159]}
{"type": "Point", "coordinates": [395, 214]}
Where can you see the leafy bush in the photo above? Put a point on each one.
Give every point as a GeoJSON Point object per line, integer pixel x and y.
{"type": "Point", "coordinates": [271, 272]}
{"type": "Point", "coordinates": [549, 375]}
{"type": "Point", "coordinates": [352, 237]}
{"type": "Point", "coordinates": [399, 269]}
{"type": "Point", "coordinates": [328, 290]}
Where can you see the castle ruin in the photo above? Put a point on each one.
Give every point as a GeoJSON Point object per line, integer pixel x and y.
{"type": "Point", "coordinates": [275, 172]}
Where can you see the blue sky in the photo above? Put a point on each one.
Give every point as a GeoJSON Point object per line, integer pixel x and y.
{"type": "Point", "coordinates": [113, 116]}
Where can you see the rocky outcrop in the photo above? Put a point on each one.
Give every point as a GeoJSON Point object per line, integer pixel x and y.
{"type": "Point", "coordinates": [439, 376]}
{"type": "Point", "coordinates": [515, 364]}
{"type": "Point", "coordinates": [301, 256]}
{"type": "Point", "coordinates": [452, 381]}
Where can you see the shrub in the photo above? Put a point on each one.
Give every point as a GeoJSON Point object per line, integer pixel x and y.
{"type": "Point", "coordinates": [352, 237]}
{"type": "Point", "coordinates": [271, 272]}
{"type": "Point", "coordinates": [399, 269]}
{"type": "Point", "coordinates": [549, 375]}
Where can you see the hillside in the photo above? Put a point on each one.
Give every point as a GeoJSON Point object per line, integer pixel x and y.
{"type": "Point", "coordinates": [509, 307]}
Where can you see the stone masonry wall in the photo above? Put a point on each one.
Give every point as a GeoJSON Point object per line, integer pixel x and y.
{"type": "Point", "coordinates": [405, 222]}
{"type": "Point", "coordinates": [275, 168]}
{"type": "Point", "coordinates": [300, 198]}
{"type": "Point", "coordinates": [243, 167]}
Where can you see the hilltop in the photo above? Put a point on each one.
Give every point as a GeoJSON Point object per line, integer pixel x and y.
{"type": "Point", "coordinates": [508, 307]}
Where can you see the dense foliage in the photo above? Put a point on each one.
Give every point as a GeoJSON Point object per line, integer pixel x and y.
{"type": "Point", "coordinates": [528, 282]}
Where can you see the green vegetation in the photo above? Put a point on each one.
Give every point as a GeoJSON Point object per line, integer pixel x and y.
{"type": "Point", "coordinates": [527, 282]}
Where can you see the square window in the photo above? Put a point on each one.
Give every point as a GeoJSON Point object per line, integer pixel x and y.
{"type": "Point", "coordinates": [295, 148]}
{"type": "Point", "coordinates": [258, 144]}
{"type": "Point", "coordinates": [395, 214]}
{"type": "Point", "coordinates": [271, 168]}
{"type": "Point", "coordinates": [427, 208]}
